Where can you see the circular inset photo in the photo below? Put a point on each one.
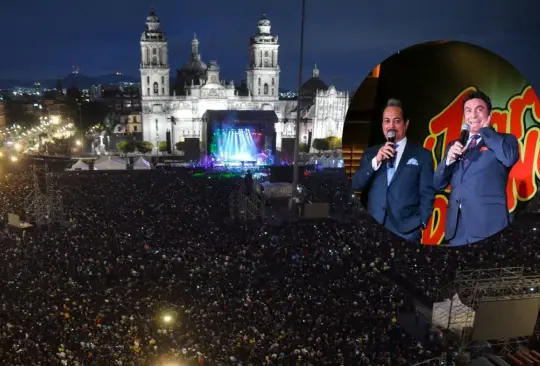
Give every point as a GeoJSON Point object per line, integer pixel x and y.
{"type": "Point", "coordinates": [442, 143]}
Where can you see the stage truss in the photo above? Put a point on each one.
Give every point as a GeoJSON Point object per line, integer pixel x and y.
{"type": "Point", "coordinates": [246, 206]}
{"type": "Point", "coordinates": [495, 284]}
{"type": "Point", "coordinates": [43, 206]}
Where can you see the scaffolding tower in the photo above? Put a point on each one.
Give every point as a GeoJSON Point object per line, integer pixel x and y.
{"type": "Point", "coordinates": [479, 285]}
{"type": "Point", "coordinates": [246, 206]}
{"type": "Point", "coordinates": [44, 206]}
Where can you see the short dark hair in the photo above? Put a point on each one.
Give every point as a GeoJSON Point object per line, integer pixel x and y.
{"type": "Point", "coordinates": [478, 94]}
{"type": "Point", "coordinates": [393, 102]}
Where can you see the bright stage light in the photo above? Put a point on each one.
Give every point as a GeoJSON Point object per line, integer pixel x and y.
{"type": "Point", "coordinates": [14, 159]}
{"type": "Point", "coordinates": [167, 318]}
{"type": "Point", "coordinates": [17, 146]}
{"type": "Point", "coordinates": [236, 145]}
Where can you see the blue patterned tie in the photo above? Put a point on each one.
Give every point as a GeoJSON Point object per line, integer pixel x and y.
{"type": "Point", "coordinates": [472, 145]}
{"type": "Point", "coordinates": [391, 170]}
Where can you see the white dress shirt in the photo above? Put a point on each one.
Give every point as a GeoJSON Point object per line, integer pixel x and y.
{"type": "Point", "coordinates": [466, 146]}
{"type": "Point", "coordinates": [397, 157]}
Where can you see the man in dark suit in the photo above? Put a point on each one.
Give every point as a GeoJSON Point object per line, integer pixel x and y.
{"type": "Point", "coordinates": [478, 175]}
{"type": "Point", "coordinates": [396, 178]}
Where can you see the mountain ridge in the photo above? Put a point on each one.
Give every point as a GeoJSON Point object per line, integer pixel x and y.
{"type": "Point", "coordinates": [71, 80]}
{"type": "Point", "coordinates": [79, 81]}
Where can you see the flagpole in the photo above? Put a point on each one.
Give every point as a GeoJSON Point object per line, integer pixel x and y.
{"type": "Point", "coordinates": [298, 107]}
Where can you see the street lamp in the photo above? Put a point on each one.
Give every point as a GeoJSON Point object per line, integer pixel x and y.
{"type": "Point", "coordinates": [80, 117]}
{"type": "Point", "coordinates": [172, 119]}
{"type": "Point", "coordinates": [157, 142]}
{"type": "Point", "coordinates": [297, 137]}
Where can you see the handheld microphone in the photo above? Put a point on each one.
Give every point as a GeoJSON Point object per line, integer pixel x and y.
{"type": "Point", "coordinates": [391, 137]}
{"type": "Point", "coordinates": [464, 135]}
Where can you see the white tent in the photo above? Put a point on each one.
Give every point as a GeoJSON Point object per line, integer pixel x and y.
{"type": "Point", "coordinates": [452, 314]}
{"type": "Point", "coordinates": [101, 160]}
{"type": "Point", "coordinates": [110, 164]}
{"type": "Point", "coordinates": [79, 165]}
{"type": "Point", "coordinates": [141, 164]}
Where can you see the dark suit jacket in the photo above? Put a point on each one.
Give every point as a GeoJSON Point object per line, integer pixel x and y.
{"type": "Point", "coordinates": [407, 203]}
{"type": "Point", "coordinates": [480, 186]}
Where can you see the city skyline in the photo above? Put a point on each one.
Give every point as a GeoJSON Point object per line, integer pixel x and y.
{"type": "Point", "coordinates": [103, 37]}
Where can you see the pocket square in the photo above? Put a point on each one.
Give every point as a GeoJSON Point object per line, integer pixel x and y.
{"type": "Point", "coordinates": [483, 148]}
{"type": "Point", "coordinates": [412, 161]}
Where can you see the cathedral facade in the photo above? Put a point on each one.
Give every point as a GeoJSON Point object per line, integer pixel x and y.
{"type": "Point", "coordinates": [180, 107]}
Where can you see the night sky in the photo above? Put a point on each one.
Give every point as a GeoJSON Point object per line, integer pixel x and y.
{"type": "Point", "coordinates": [346, 38]}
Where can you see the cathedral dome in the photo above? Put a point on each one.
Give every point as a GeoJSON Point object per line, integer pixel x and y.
{"type": "Point", "coordinates": [310, 87]}
{"type": "Point", "coordinates": [152, 17]}
{"type": "Point", "coordinates": [193, 71]}
{"type": "Point", "coordinates": [263, 20]}
{"type": "Point", "coordinates": [263, 26]}
{"type": "Point", "coordinates": [194, 66]}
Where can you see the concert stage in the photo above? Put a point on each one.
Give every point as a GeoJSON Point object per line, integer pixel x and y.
{"type": "Point", "coordinates": [240, 138]}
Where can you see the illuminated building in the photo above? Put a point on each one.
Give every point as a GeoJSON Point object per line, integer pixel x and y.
{"type": "Point", "coordinates": [199, 88]}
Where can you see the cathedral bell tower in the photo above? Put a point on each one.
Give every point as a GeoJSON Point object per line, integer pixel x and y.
{"type": "Point", "coordinates": [263, 70]}
{"type": "Point", "coordinates": [154, 59]}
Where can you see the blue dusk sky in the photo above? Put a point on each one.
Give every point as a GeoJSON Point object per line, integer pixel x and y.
{"type": "Point", "coordinates": [346, 38]}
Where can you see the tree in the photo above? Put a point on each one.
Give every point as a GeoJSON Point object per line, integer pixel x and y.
{"type": "Point", "coordinates": [25, 120]}
{"type": "Point", "coordinates": [321, 144]}
{"type": "Point", "coordinates": [163, 146]}
{"type": "Point", "coordinates": [126, 147]}
{"type": "Point", "coordinates": [334, 142]}
{"type": "Point", "coordinates": [144, 147]}
{"type": "Point", "coordinates": [180, 145]}
{"type": "Point", "coordinates": [93, 113]}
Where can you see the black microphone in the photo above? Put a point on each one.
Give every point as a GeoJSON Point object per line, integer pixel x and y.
{"type": "Point", "coordinates": [391, 137]}
{"type": "Point", "coordinates": [464, 136]}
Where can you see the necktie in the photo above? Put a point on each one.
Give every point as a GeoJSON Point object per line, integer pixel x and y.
{"type": "Point", "coordinates": [474, 141]}
{"type": "Point", "coordinates": [391, 169]}
{"type": "Point", "coordinates": [472, 145]}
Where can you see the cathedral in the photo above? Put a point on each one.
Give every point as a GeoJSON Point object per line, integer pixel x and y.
{"type": "Point", "coordinates": [176, 111]}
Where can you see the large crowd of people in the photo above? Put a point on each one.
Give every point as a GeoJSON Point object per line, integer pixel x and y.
{"type": "Point", "coordinates": [150, 270]}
